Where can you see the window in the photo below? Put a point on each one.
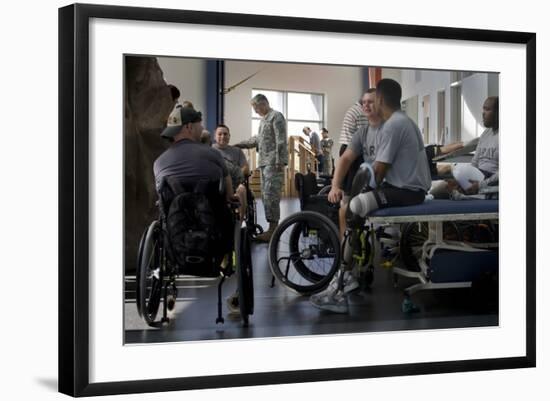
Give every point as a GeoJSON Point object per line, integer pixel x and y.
{"type": "Point", "coordinates": [456, 113]}
{"type": "Point", "coordinates": [299, 109]}
{"type": "Point", "coordinates": [458, 76]}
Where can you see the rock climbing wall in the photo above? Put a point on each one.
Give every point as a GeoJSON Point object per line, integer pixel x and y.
{"type": "Point", "coordinates": [147, 105]}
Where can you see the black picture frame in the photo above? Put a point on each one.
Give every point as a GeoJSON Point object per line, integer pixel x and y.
{"type": "Point", "coordinates": [74, 194]}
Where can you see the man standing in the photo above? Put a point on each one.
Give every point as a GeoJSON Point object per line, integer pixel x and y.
{"type": "Point", "coordinates": [271, 143]}
{"type": "Point", "coordinates": [354, 119]}
{"type": "Point", "coordinates": [315, 144]}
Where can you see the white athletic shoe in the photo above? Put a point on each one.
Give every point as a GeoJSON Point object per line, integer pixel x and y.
{"type": "Point", "coordinates": [329, 300]}
{"type": "Point", "coordinates": [350, 282]}
{"type": "Point", "coordinates": [333, 300]}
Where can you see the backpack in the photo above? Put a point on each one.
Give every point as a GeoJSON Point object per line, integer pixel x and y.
{"type": "Point", "coordinates": [193, 236]}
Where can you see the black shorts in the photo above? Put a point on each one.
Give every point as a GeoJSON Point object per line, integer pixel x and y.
{"type": "Point", "coordinates": [388, 196]}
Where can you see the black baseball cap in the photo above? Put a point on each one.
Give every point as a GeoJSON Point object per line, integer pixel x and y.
{"type": "Point", "coordinates": [178, 118]}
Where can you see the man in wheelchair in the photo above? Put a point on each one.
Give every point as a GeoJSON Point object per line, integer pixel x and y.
{"type": "Point", "coordinates": [192, 166]}
{"type": "Point", "coordinates": [399, 176]}
{"type": "Point", "coordinates": [197, 206]}
{"type": "Point", "coordinates": [187, 159]}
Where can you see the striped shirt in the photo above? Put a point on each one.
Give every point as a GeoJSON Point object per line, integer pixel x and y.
{"type": "Point", "coordinates": [353, 120]}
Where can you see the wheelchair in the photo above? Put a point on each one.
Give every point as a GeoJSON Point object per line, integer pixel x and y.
{"type": "Point", "coordinates": [304, 252]}
{"type": "Point", "coordinates": [254, 229]}
{"type": "Point", "coordinates": [158, 265]}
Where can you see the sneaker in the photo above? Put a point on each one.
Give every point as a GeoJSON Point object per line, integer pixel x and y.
{"type": "Point", "coordinates": [233, 304]}
{"type": "Point", "coordinates": [330, 300]}
{"type": "Point", "coordinates": [350, 282]}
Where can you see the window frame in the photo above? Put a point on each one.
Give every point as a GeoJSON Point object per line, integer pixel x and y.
{"type": "Point", "coordinates": [284, 111]}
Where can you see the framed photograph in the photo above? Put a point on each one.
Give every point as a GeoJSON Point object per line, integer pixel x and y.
{"type": "Point", "coordinates": [117, 70]}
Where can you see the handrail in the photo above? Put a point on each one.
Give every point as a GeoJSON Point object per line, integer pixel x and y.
{"type": "Point", "coordinates": [301, 145]}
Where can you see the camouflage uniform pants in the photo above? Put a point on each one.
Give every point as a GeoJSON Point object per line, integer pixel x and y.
{"type": "Point", "coordinates": [272, 186]}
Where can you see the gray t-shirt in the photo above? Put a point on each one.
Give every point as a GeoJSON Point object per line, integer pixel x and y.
{"type": "Point", "coordinates": [233, 154]}
{"type": "Point", "coordinates": [486, 154]}
{"type": "Point", "coordinates": [235, 160]}
{"type": "Point", "coordinates": [364, 142]}
{"type": "Point", "coordinates": [315, 142]}
{"type": "Point", "coordinates": [188, 160]}
{"type": "Point", "coordinates": [400, 144]}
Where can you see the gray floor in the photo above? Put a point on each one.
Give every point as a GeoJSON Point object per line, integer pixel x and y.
{"type": "Point", "coordinates": [279, 311]}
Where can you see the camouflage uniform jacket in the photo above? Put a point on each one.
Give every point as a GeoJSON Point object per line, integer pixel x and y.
{"type": "Point", "coordinates": [271, 140]}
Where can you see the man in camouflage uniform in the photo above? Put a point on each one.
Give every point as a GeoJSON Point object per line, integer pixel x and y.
{"type": "Point", "coordinates": [271, 143]}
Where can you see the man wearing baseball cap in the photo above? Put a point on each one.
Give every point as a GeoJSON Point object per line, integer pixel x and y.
{"type": "Point", "coordinates": [187, 159]}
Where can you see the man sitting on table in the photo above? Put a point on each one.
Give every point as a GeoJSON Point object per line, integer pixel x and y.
{"type": "Point", "coordinates": [401, 178]}
{"type": "Point", "coordinates": [363, 143]}
{"type": "Point", "coordinates": [486, 155]}
{"type": "Point", "coordinates": [485, 159]}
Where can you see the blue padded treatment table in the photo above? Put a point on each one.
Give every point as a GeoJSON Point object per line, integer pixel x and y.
{"type": "Point", "coordinates": [438, 210]}
{"type": "Point", "coordinates": [451, 265]}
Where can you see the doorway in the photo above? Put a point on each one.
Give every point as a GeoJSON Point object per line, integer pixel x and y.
{"type": "Point", "coordinates": [426, 118]}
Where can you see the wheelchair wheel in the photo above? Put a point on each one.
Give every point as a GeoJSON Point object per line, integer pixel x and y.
{"type": "Point", "coordinates": [138, 270]}
{"type": "Point", "coordinates": [413, 236]}
{"type": "Point", "coordinates": [245, 281]}
{"type": "Point", "coordinates": [150, 274]}
{"type": "Point", "coordinates": [304, 252]}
